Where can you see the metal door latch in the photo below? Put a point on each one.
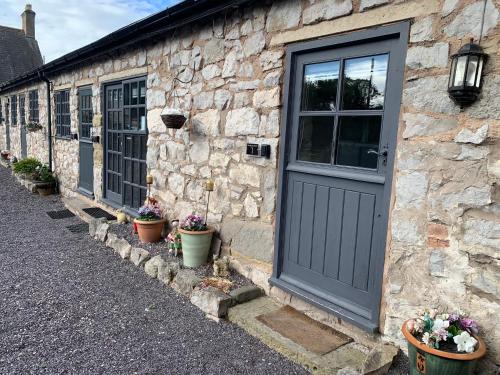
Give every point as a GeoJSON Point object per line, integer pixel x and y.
{"type": "Point", "coordinates": [383, 153]}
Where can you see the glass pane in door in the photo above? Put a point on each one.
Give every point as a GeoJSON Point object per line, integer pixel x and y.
{"type": "Point", "coordinates": [315, 139]}
{"type": "Point", "coordinates": [364, 82]}
{"type": "Point", "coordinates": [358, 141]}
{"type": "Point", "coordinates": [319, 90]}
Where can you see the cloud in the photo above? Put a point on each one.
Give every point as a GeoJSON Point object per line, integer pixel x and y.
{"type": "Point", "coordinates": [65, 25]}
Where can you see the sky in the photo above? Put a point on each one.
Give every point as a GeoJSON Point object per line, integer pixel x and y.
{"type": "Point", "coordinates": [65, 25]}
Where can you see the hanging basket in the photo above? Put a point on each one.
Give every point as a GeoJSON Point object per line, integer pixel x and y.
{"type": "Point", "coordinates": [173, 118]}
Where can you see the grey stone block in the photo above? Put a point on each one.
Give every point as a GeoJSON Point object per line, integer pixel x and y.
{"type": "Point", "coordinates": [185, 281]}
{"type": "Point", "coordinates": [246, 293]}
{"type": "Point", "coordinates": [212, 301]}
{"type": "Point", "coordinates": [119, 245]}
{"type": "Point", "coordinates": [151, 266]}
{"type": "Point", "coordinates": [167, 271]}
{"type": "Point", "coordinates": [139, 256]}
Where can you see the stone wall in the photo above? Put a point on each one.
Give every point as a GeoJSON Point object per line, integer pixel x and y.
{"type": "Point", "coordinates": [443, 240]}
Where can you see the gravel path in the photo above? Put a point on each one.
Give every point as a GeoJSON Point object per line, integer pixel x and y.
{"type": "Point", "coordinates": [68, 305]}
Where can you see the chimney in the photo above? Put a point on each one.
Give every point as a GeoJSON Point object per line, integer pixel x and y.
{"type": "Point", "coordinates": [28, 18]}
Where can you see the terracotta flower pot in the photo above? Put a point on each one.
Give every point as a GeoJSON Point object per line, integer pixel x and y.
{"type": "Point", "coordinates": [45, 188]}
{"type": "Point", "coordinates": [149, 231]}
{"type": "Point", "coordinates": [430, 361]}
{"type": "Point", "coordinates": [195, 246]}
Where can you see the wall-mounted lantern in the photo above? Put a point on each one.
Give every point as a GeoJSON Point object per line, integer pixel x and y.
{"type": "Point", "coordinates": [465, 82]}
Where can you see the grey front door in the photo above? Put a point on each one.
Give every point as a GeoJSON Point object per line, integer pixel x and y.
{"type": "Point", "coordinates": [22, 115]}
{"type": "Point", "coordinates": [85, 114]}
{"type": "Point", "coordinates": [7, 125]}
{"type": "Point", "coordinates": [126, 143]}
{"type": "Point", "coordinates": [341, 125]}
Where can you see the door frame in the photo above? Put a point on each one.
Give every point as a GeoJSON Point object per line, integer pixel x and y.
{"type": "Point", "coordinates": [104, 128]}
{"type": "Point", "coordinates": [400, 32]}
{"type": "Point", "coordinates": [87, 193]}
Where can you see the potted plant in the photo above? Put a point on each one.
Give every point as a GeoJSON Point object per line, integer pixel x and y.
{"type": "Point", "coordinates": [5, 154]}
{"type": "Point", "coordinates": [150, 221]}
{"type": "Point", "coordinates": [44, 180]}
{"type": "Point", "coordinates": [196, 237]}
{"type": "Point", "coordinates": [33, 127]}
{"type": "Point", "coordinates": [26, 167]}
{"type": "Point", "coordinates": [443, 344]}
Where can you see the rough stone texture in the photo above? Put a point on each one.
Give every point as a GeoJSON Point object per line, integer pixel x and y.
{"type": "Point", "coordinates": [242, 121]}
{"type": "Point", "coordinates": [119, 245]}
{"type": "Point", "coordinates": [139, 256]}
{"type": "Point", "coordinates": [241, 235]}
{"type": "Point", "coordinates": [326, 10]}
{"type": "Point", "coordinates": [151, 266]}
{"type": "Point", "coordinates": [429, 94]}
{"type": "Point", "coordinates": [468, 20]}
{"type": "Point", "coordinates": [283, 15]}
{"type": "Point", "coordinates": [93, 224]}
{"type": "Point", "coordinates": [101, 232]}
{"type": "Point", "coordinates": [428, 57]}
{"type": "Point", "coordinates": [185, 281]}
{"type": "Point", "coordinates": [167, 271]}
{"type": "Point", "coordinates": [422, 30]}
{"type": "Point", "coordinates": [476, 137]}
{"type": "Point", "coordinates": [367, 4]}
{"type": "Point", "coordinates": [246, 293]}
{"type": "Point", "coordinates": [211, 301]}
{"type": "Point", "coordinates": [423, 125]}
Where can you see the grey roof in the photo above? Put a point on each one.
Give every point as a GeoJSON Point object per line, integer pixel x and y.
{"type": "Point", "coordinates": [18, 54]}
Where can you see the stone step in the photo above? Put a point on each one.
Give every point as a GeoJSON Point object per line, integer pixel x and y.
{"type": "Point", "coordinates": [76, 205]}
{"type": "Point", "coordinates": [352, 358]}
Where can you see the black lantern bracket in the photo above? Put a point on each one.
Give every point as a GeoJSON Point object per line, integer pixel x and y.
{"type": "Point", "coordinates": [465, 81]}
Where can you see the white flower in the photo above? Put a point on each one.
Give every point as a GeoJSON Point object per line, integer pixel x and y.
{"type": "Point", "coordinates": [465, 342]}
{"type": "Point", "coordinates": [425, 338]}
{"type": "Point", "coordinates": [440, 324]}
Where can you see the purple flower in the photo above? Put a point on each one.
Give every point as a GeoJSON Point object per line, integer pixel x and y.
{"type": "Point", "coordinates": [469, 325]}
{"type": "Point", "coordinates": [453, 317]}
{"type": "Point", "coordinates": [194, 223]}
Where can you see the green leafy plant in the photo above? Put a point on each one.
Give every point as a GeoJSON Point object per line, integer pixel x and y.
{"type": "Point", "coordinates": [43, 174]}
{"type": "Point", "coordinates": [26, 166]}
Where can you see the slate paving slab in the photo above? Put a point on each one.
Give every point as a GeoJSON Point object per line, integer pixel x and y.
{"type": "Point", "coordinates": [69, 305]}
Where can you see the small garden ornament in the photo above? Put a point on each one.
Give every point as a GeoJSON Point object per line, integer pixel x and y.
{"type": "Point", "coordinates": [442, 343]}
{"type": "Point", "coordinates": [44, 180]}
{"type": "Point", "coordinates": [150, 221]}
{"type": "Point", "coordinates": [196, 238]}
{"type": "Point", "coordinates": [174, 239]}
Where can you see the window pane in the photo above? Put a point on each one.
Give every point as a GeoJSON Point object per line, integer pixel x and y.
{"type": "Point", "coordinates": [134, 93]}
{"type": "Point", "coordinates": [315, 139]}
{"type": "Point", "coordinates": [471, 71]}
{"type": "Point", "coordinates": [319, 91]}
{"type": "Point", "coordinates": [358, 141]}
{"type": "Point", "coordinates": [134, 123]}
{"type": "Point", "coordinates": [142, 92]}
{"type": "Point", "coordinates": [364, 82]}
{"type": "Point", "coordinates": [460, 71]}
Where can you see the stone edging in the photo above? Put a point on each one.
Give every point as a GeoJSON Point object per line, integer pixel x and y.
{"type": "Point", "coordinates": [212, 301]}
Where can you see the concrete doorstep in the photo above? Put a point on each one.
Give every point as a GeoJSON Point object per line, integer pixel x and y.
{"type": "Point", "coordinates": [349, 359]}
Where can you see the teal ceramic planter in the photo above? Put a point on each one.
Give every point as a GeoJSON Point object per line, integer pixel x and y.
{"type": "Point", "coordinates": [429, 361]}
{"type": "Point", "coordinates": [195, 247]}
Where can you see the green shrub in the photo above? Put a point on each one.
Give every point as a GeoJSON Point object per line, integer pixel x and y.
{"type": "Point", "coordinates": [26, 166]}
{"type": "Point", "coordinates": [43, 174]}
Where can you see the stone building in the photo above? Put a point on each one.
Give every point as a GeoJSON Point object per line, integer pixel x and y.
{"type": "Point", "coordinates": [379, 196]}
{"type": "Point", "coordinates": [19, 52]}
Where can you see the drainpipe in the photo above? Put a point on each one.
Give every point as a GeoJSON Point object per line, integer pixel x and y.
{"type": "Point", "coordinates": [49, 116]}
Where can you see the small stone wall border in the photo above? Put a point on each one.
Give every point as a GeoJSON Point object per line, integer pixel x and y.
{"type": "Point", "coordinates": [212, 301]}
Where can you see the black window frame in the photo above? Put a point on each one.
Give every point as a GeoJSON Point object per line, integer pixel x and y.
{"type": "Point", "coordinates": [13, 110]}
{"type": "Point", "coordinates": [62, 114]}
{"type": "Point", "coordinates": [22, 109]}
{"type": "Point", "coordinates": [34, 114]}
{"type": "Point", "coordinates": [7, 112]}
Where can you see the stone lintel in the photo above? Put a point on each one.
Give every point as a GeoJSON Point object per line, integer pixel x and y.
{"type": "Point", "coordinates": [377, 16]}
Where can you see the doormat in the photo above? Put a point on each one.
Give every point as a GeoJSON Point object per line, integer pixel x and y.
{"type": "Point", "coordinates": [61, 214]}
{"type": "Point", "coordinates": [301, 329]}
{"type": "Point", "coordinates": [78, 228]}
{"type": "Point", "coordinates": [98, 213]}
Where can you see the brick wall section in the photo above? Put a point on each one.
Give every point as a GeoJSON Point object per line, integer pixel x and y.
{"type": "Point", "coordinates": [444, 235]}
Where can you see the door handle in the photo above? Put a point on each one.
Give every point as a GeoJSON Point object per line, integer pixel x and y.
{"type": "Point", "coordinates": [383, 153]}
